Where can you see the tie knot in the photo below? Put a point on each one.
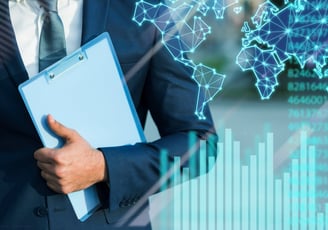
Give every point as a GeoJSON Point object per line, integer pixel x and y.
{"type": "Point", "coordinates": [49, 5]}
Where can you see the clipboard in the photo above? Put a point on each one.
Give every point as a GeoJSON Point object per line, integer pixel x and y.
{"type": "Point", "coordinates": [85, 91]}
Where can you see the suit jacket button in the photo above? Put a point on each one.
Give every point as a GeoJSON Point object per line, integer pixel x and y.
{"type": "Point", "coordinates": [40, 211]}
{"type": "Point", "coordinates": [128, 203]}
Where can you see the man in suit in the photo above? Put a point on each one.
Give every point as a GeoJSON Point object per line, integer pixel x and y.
{"type": "Point", "coordinates": [34, 180]}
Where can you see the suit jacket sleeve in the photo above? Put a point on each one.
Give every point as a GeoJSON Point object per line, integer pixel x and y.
{"type": "Point", "coordinates": [170, 95]}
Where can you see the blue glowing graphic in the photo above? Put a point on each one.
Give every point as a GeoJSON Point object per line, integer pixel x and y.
{"type": "Point", "coordinates": [298, 30]}
{"type": "Point", "coordinates": [182, 32]}
{"type": "Point", "coordinates": [265, 66]}
{"type": "Point", "coordinates": [239, 194]}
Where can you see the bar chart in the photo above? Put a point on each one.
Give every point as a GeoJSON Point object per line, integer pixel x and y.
{"type": "Point", "coordinates": [243, 194]}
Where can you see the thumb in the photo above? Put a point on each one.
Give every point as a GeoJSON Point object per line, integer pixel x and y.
{"type": "Point", "coordinates": [59, 129]}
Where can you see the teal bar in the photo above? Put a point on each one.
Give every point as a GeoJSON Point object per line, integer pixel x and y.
{"type": "Point", "coordinates": [212, 181]}
{"type": "Point", "coordinates": [261, 186]}
{"type": "Point", "coordinates": [295, 194]}
{"type": "Point", "coordinates": [194, 205]}
{"type": "Point", "coordinates": [171, 194]}
{"type": "Point", "coordinates": [164, 175]}
{"type": "Point", "coordinates": [211, 164]}
{"type": "Point", "coordinates": [245, 198]}
{"type": "Point", "coordinates": [202, 158]}
{"type": "Point", "coordinates": [286, 199]}
{"type": "Point", "coordinates": [176, 171]}
{"type": "Point", "coordinates": [166, 214]}
{"type": "Point", "coordinates": [278, 205]}
{"type": "Point", "coordinates": [312, 188]}
{"type": "Point", "coordinates": [320, 221]}
{"type": "Point", "coordinates": [211, 194]}
{"type": "Point", "coordinates": [192, 154]}
{"type": "Point", "coordinates": [202, 186]}
{"type": "Point", "coordinates": [236, 186]}
{"type": "Point", "coordinates": [185, 199]}
{"type": "Point", "coordinates": [177, 194]}
{"type": "Point", "coordinates": [303, 183]}
{"type": "Point", "coordinates": [220, 188]}
{"type": "Point", "coordinates": [269, 185]}
{"type": "Point", "coordinates": [171, 171]}
{"type": "Point", "coordinates": [228, 179]}
{"type": "Point", "coordinates": [326, 216]}
{"type": "Point", "coordinates": [164, 170]}
{"type": "Point", "coordinates": [253, 192]}
{"type": "Point", "coordinates": [211, 146]}
{"type": "Point", "coordinates": [185, 174]}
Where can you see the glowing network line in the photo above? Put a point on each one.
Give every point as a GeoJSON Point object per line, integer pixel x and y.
{"type": "Point", "coordinates": [265, 66]}
{"type": "Point", "coordinates": [298, 30]}
{"type": "Point", "coordinates": [180, 38]}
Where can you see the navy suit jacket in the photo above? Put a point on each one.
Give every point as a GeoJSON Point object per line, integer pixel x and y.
{"type": "Point", "coordinates": [161, 86]}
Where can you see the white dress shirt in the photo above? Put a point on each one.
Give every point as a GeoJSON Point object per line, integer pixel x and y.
{"type": "Point", "coordinates": [27, 22]}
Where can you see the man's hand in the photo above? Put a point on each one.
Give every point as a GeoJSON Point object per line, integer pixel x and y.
{"type": "Point", "coordinates": [73, 167]}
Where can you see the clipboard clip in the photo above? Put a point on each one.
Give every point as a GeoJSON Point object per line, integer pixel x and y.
{"type": "Point", "coordinates": [65, 64]}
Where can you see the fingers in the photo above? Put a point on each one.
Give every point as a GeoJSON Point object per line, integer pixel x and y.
{"type": "Point", "coordinates": [47, 168]}
{"type": "Point", "coordinates": [56, 183]}
{"type": "Point", "coordinates": [52, 171]}
{"type": "Point", "coordinates": [45, 161]}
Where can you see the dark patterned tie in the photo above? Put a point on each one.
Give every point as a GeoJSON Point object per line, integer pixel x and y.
{"type": "Point", "coordinates": [52, 46]}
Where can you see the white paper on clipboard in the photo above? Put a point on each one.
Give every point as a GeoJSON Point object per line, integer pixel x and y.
{"type": "Point", "coordinates": [84, 91]}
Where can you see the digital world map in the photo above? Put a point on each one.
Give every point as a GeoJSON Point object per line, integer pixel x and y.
{"type": "Point", "coordinates": [297, 30]}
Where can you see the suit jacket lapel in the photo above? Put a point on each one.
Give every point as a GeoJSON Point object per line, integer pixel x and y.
{"type": "Point", "coordinates": [94, 22]}
{"type": "Point", "coordinates": [95, 15]}
{"type": "Point", "coordinates": [10, 57]}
